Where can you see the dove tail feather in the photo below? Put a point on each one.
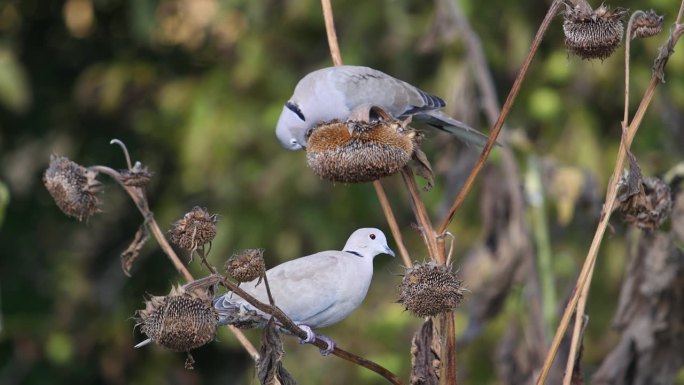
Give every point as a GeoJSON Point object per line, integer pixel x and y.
{"type": "Point", "coordinates": [446, 123]}
{"type": "Point", "coordinates": [233, 310]}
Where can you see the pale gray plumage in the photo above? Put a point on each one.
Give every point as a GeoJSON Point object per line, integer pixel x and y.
{"type": "Point", "coordinates": [333, 92]}
{"type": "Point", "coordinates": [316, 290]}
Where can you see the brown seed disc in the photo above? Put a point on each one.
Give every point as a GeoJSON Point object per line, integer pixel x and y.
{"type": "Point", "coordinates": [354, 152]}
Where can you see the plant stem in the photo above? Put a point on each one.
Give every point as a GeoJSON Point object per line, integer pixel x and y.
{"type": "Point", "coordinates": [392, 221]}
{"type": "Point", "coordinates": [611, 196]}
{"type": "Point", "coordinates": [141, 203]}
{"type": "Point", "coordinates": [421, 214]}
{"type": "Point", "coordinates": [288, 324]}
{"type": "Point", "coordinates": [550, 14]}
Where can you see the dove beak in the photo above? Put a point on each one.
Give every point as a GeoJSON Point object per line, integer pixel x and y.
{"type": "Point", "coordinates": [389, 251]}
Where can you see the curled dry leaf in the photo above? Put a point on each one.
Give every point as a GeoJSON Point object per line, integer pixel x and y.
{"type": "Point", "coordinates": [270, 368]}
{"type": "Point", "coordinates": [425, 360]}
{"type": "Point", "coordinates": [650, 311]}
{"type": "Point", "coordinates": [133, 251]}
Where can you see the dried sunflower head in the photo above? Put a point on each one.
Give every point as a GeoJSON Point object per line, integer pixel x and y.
{"type": "Point", "coordinates": [593, 34]}
{"type": "Point", "coordinates": [360, 151]}
{"type": "Point", "coordinates": [179, 321]}
{"type": "Point", "coordinates": [138, 176]}
{"type": "Point", "coordinates": [646, 24]}
{"type": "Point", "coordinates": [195, 229]}
{"type": "Point", "coordinates": [246, 265]}
{"type": "Point", "coordinates": [73, 187]}
{"type": "Point", "coordinates": [648, 208]}
{"type": "Point", "coordinates": [429, 289]}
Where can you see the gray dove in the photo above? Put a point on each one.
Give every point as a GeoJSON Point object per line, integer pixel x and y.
{"type": "Point", "coordinates": [315, 291]}
{"type": "Point", "coordinates": [334, 92]}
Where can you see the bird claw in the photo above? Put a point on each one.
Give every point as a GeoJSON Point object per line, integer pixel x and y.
{"type": "Point", "coordinates": [311, 338]}
{"type": "Point", "coordinates": [330, 343]}
{"type": "Point", "coordinates": [310, 335]}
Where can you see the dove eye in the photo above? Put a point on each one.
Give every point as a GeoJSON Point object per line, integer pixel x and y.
{"type": "Point", "coordinates": [372, 236]}
{"type": "Point", "coordinates": [295, 108]}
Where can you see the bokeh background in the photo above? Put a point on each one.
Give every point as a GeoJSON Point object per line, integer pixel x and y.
{"type": "Point", "coordinates": [194, 88]}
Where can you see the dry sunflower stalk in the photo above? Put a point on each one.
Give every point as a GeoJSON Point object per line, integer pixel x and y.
{"type": "Point", "coordinates": [592, 34]}
{"type": "Point", "coordinates": [73, 187]}
{"type": "Point", "coordinates": [429, 289]}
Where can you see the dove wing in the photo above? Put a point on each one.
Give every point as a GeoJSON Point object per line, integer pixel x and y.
{"type": "Point", "coordinates": [304, 287]}
{"type": "Point", "coordinates": [366, 86]}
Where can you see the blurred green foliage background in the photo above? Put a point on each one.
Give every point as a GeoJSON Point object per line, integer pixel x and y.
{"type": "Point", "coordinates": [194, 88]}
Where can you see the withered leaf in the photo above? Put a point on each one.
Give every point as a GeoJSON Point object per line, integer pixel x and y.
{"type": "Point", "coordinates": [423, 168]}
{"type": "Point", "coordinates": [425, 361]}
{"type": "Point", "coordinates": [131, 253]}
{"type": "Point", "coordinates": [270, 368]}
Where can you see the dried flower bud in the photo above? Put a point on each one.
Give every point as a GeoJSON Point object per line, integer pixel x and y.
{"type": "Point", "coordinates": [429, 289]}
{"type": "Point", "coordinates": [73, 187]}
{"type": "Point", "coordinates": [195, 229]}
{"type": "Point", "coordinates": [247, 265]}
{"type": "Point", "coordinates": [180, 321]}
{"type": "Point", "coordinates": [358, 151]}
{"type": "Point", "coordinates": [593, 34]}
{"type": "Point", "coordinates": [138, 176]}
{"type": "Point", "coordinates": [648, 208]}
{"type": "Point", "coordinates": [646, 24]}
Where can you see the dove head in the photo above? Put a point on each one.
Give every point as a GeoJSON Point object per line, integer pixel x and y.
{"type": "Point", "coordinates": [292, 127]}
{"type": "Point", "coordinates": [368, 242]}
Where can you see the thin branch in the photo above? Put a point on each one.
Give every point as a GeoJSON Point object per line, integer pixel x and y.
{"type": "Point", "coordinates": [286, 323]}
{"type": "Point", "coordinates": [448, 329]}
{"type": "Point", "coordinates": [380, 192]}
{"type": "Point", "coordinates": [628, 37]}
{"type": "Point", "coordinates": [141, 203]}
{"type": "Point", "coordinates": [611, 196]}
{"type": "Point", "coordinates": [426, 229]}
{"type": "Point", "coordinates": [577, 332]}
{"type": "Point", "coordinates": [330, 31]}
{"type": "Point", "coordinates": [392, 221]}
{"type": "Point", "coordinates": [553, 10]}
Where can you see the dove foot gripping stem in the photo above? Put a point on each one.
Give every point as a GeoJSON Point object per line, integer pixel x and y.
{"type": "Point", "coordinates": [311, 338]}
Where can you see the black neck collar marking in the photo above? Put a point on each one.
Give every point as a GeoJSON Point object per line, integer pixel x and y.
{"type": "Point", "coordinates": [354, 252]}
{"type": "Point", "coordinates": [295, 108]}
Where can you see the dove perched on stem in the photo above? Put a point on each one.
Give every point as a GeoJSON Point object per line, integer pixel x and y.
{"type": "Point", "coordinates": [334, 92]}
{"type": "Point", "coordinates": [315, 291]}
